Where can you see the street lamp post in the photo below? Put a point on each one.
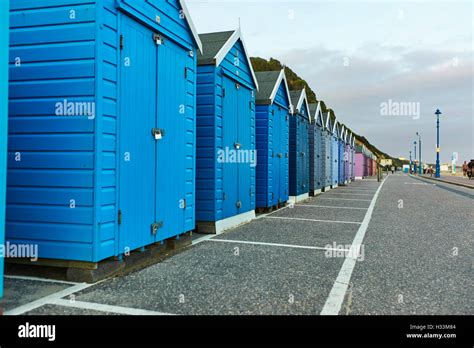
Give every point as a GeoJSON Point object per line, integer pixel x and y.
{"type": "Point", "coordinates": [414, 159]}
{"type": "Point", "coordinates": [437, 113]}
{"type": "Point", "coordinates": [420, 166]}
{"type": "Point", "coordinates": [410, 161]}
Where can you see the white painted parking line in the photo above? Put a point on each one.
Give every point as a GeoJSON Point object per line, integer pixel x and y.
{"type": "Point", "coordinates": [336, 296]}
{"type": "Point", "coordinates": [105, 308]}
{"type": "Point", "coordinates": [40, 279]}
{"type": "Point", "coordinates": [345, 199]}
{"type": "Point", "coordinates": [313, 220]}
{"type": "Point", "coordinates": [276, 211]}
{"type": "Point", "coordinates": [203, 238]}
{"type": "Point", "coordinates": [350, 193]}
{"type": "Point", "coordinates": [355, 189]}
{"type": "Point", "coordinates": [329, 206]}
{"type": "Point", "coordinates": [419, 183]}
{"type": "Point", "coordinates": [48, 299]}
{"type": "Point", "coordinates": [276, 244]}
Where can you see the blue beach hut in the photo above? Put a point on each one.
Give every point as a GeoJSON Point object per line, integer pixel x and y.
{"type": "Point", "coordinates": [299, 147]}
{"type": "Point", "coordinates": [341, 160]}
{"type": "Point", "coordinates": [226, 150]}
{"type": "Point", "coordinates": [316, 137]}
{"type": "Point", "coordinates": [272, 133]}
{"type": "Point", "coordinates": [326, 150]}
{"type": "Point", "coordinates": [101, 126]}
{"type": "Point", "coordinates": [334, 151]}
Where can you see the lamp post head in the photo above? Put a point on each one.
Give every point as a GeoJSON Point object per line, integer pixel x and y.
{"type": "Point", "coordinates": [437, 112]}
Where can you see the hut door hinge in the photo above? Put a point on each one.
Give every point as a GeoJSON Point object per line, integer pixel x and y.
{"type": "Point", "coordinates": [273, 195]}
{"type": "Point", "coordinates": [251, 192]}
{"type": "Point", "coordinates": [156, 226]}
{"type": "Point", "coordinates": [158, 39]}
{"type": "Point", "coordinates": [185, 73]}
{"type": "Point", "coordinates": [250, 105]}
{"type": "Point", "coordinates": [121, 42]}
{"type": "Point", "coordinates": [224, 196]}
{"type": "Point", "coordinates": [119, 217]}
{"type": "Point", "coordinates": [223, 92]}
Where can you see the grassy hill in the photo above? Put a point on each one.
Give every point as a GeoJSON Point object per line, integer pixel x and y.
{"type": "Point", "coordinates": [294, 81]}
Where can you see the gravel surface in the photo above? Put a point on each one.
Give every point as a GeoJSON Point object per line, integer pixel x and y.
{"type": "Point", "coordinates": [418, 259]}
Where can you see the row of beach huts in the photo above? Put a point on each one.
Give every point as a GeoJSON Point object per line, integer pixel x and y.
{"type": "Point", "coordinates": [127, 128]}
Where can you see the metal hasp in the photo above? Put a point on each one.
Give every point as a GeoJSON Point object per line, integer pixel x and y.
{"type": "Point", "coordinates": [158, 39]}
{"type": "Point", "coordinates": [438, 174]}
{"type": "Point", "coordinates": [158, 133]}
{"type": "Point", "coordinates": [156, 226]}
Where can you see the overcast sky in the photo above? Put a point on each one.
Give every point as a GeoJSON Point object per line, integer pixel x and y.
{"type": "Point", "coordinates": [359, 55]}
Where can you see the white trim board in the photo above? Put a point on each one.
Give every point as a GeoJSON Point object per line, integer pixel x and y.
{"type": "Point", "coordinates": [219, 57]}
{"type": "Point", "coordinates": [223, 225]}
{"type": "Point", "coordinates": [300, 198]}
{"type": "Point", "coordinates": [281, 77]}
{"type": "Point", "coordinates": [188, 17]}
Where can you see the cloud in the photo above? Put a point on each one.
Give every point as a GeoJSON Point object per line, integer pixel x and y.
{"type": "Point", "coordinates": [355, 85]}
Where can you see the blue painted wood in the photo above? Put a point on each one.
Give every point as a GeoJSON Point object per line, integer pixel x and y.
{"type": "Point", "coordinates": [341, 167]}
{"type": "Point", "coordinates": [67, 53]}
{"type": "Point", "coordinates": [327, 158]}
{"type": "Point", "coordinates": [316, 176]}
{"type": "Point", "coordinates": [299, 153]}
{"type": "Point", "coordinates": [4, 25]}
{"type": "Point", "coordinates": [272, 131]}
{"type": "Point", "coordinates": [335, 159]}
{"type": "Point", "coordinates": [225, 186]}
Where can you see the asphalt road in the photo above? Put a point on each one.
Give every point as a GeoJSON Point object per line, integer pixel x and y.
{"type": "Point", "coordinates": [416, 258]}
